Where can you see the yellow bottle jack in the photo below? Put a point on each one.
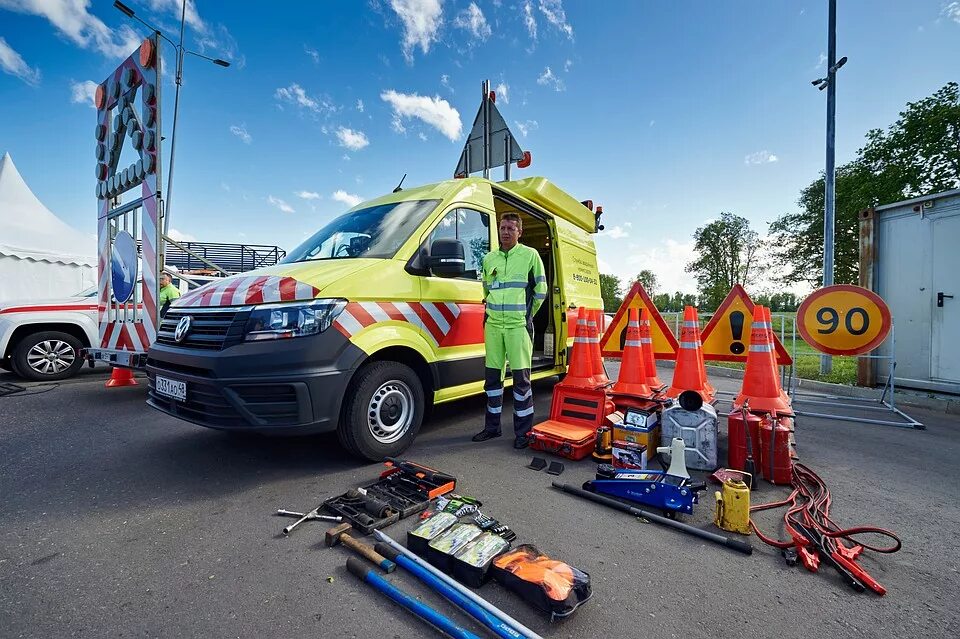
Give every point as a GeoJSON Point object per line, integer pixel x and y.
{"type": "Point", "coordinates": [733, 504]}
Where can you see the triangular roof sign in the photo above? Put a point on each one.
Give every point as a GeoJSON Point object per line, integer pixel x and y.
{"type": "Point", "coordinates": [471, 159]}
{"type": "Point", "coordinates": [726, 337]}
{"type": "Point", "coordinates": [664, 342]}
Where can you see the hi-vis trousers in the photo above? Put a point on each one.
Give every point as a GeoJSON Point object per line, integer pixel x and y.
{"type": "Point", "coordinates": [512, 345]}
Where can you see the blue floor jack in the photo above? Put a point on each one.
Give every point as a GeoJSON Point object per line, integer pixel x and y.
{"type": "Point", "coordinates": [671, 491]}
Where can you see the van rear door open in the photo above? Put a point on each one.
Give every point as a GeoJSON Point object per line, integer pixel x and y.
{"type": "Point", "coordinates": [578, 273]}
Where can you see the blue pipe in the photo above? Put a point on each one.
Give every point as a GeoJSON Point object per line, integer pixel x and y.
{"type": "Point", "coordinates": [497, 626]}
{"type": "Point", "coordinates": [425, 612]}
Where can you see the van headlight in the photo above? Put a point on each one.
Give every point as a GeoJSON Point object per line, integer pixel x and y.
{"type": "Point", "coordinates": [280, 321]}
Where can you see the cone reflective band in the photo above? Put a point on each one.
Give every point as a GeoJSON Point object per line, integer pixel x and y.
{"type": "Point", "coordinates": [580, 369]}
{"type": "Point", "coordinates": [761, 384]}
{"type": "Point", "coordinates": [599, 372]}
{"type": "Point", "coordinates": [632, 379]}
{"type": "Point", "coordinates": [649, 360]}
{"type": "Point", "coordinates": [690, 373]}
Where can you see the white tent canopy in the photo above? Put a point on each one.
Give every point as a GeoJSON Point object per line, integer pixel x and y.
{"type": "Point", "coordinates": [40, 255]}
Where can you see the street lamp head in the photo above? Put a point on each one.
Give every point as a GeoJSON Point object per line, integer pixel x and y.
{"type": "Point", "coordinates": [124, 9]}
{"type": "Point", "coordinates": [222, 63]}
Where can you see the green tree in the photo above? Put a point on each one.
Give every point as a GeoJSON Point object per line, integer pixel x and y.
{"type": "Point", "coordinates": [648, 279]}
{"type": "Point", "coordinates": [610, 292]}
{"type": "Point", "coordinates": [662, 301]}
{"type": "Point", "coordinates": [917, 155]}
{"type": "Point", "coordinates": [726, 254]}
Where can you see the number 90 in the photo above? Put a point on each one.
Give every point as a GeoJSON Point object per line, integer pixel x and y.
{"type": "Point", "coordinates": [830, 318]}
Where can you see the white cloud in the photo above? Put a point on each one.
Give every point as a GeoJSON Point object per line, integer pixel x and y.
{"type": "Point", "coordinates": [529, 21]}
{"type": "Point", "coordinates": [760, 157]}
{"type": "Point", "coordinates": [616, 233]}
{"type": "Point", "coordinates": [13, 63]}
{"type": "Point", "coordinates": [225, 186]}
{"type": "Point", "coordinates": [473, 20]}
{"type": "Point", "coordinates": [652, 122]}
{"type": "Point", "coordinates": [553, 11]}
{"type": "Point", "coordinates": [526, 127]}
{"type": "Point", "coordinates": [353, 140]}
{"type": "Point", "coordinates": [280, 204]}
{"type": "Point", "coordinates": [83, 92]}
{"type": "Point", "coordinates": [952, 11]}
{"type": "Point", "coordinates": [175, 7]}
{"type": "Point", "coordinates": [422, 136]}
{"type": "Point", "coordinates": [313, 53]}
{"type": "Point", "coordinates": [347, 198]}
{"type": "Point", "coordinates": [179, 236]}
{"type": "Point", "coordinates": [307, 195]}
{"type": "Point", "coordinates": [71, 18]}
{"type": "Point", "coordinates": [294, 94]}
{"type": "Point", "coordinates": [822, 60]}
{"type": "Point", "coordinates": [567, 65]}
{"type": "Point", "coordinates": [547, 78]}
{"type": "Point", "coordinates": [241, 132]}
{"type": "Point", "coordinates": [503, 92]}
{"type": "Point", "coordinates": [360, 105]}
{"type": "Point", "coordinates": [445, 82]}
{"type": "Point", "coordinates": [435, 111]}
{"type": "Point", "coordinates": [668, 259]}
{"type": "Point", "coordinates": [421, 21]}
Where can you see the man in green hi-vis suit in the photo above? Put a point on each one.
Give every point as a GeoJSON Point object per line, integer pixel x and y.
{"type": "Point", "coordinates": [514, 287]}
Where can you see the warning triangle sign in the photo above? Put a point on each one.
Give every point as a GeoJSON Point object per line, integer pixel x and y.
{"type": "Point", "coordinates": [726, 337]}
{"type": "Point", "coordinates": [664, 343]}
{"type": "Point", "coordinates": [499, 145]}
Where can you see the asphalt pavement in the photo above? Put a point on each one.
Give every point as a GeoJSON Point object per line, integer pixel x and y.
{"type": "Point", "coordinates": [118, 521]}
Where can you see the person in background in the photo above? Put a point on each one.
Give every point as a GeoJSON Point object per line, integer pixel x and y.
{"type": "Point", "coordinates": [168, 293]}
{"type": "Point", "coordinates": [514, 287]}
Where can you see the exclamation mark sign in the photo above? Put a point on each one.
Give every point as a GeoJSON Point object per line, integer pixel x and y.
{"type": "Point", "coordinates": [736, 328]}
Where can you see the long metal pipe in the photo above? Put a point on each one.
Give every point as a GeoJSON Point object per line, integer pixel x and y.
{"type": "Point", "coordinates": [469, 594]}
{"type": "Point", "coordinates": [733, 544]}
{"type": "Point", "coordinates": [496, 625]}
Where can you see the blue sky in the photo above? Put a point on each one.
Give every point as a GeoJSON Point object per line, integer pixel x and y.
{"type": "Point", "coordinates": [666, 113]}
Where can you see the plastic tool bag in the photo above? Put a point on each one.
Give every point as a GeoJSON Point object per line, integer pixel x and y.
{"type": "Point", "coordinates": [553, 586]}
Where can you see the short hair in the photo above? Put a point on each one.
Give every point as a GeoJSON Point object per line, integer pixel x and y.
{"type": "Point", "coordinates": [166, 275]}
{"type": "Point", "coordinates": [513, 217]}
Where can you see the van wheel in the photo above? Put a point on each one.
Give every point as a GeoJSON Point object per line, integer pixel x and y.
{"type": "Point", "coordinates": [384, 411]}
{"type": "Point", "coordinates": [46, 356]}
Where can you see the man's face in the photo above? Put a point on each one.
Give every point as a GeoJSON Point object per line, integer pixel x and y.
{"type": "Point", "coordinates": [509, 233]}
{"type": "Point", "coordinates": [164, 280]}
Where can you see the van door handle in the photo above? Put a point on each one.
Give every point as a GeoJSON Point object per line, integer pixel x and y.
{"type": "Point", "coordinates": [942, 296]}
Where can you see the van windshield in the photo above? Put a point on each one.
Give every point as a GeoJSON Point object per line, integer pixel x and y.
{"type": "Point", "coordinates": [377, 231]}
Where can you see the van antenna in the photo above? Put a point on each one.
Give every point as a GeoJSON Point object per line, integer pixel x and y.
{"type": "Point", "coordinates": [398, 189]}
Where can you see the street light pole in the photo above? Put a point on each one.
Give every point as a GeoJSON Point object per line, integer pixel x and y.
{"type": "Point", "coordinates": [826, 361]}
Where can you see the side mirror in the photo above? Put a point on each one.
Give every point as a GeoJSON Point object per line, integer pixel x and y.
{"type": "Point", "coordinates": [446, 258]}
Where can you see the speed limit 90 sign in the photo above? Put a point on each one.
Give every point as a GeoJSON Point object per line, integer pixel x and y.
{"type": "Point", "coordinates": [843, 320]}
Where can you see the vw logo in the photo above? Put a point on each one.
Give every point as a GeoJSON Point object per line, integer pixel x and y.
{"type": "Point", "coordinates": [183, 327]}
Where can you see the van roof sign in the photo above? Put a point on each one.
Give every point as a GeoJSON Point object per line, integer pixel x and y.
{"type": "Point", "coordinates": [490, 143]}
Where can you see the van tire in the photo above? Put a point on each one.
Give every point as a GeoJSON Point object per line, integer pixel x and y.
{"type": "Point", "coordinates": [379, 392]}
{"type": "Point", "coordinates": [57, 341]}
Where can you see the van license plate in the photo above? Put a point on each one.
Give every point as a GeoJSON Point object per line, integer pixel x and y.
{"type": "Point", "coordinates": [171, 388]}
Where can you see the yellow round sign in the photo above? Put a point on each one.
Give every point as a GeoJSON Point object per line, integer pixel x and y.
{"type": "Point", "coordinates": [843, 320]}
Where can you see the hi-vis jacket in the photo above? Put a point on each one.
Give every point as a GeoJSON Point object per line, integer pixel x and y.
{"type": "Point", "coordinates": [514, 286]}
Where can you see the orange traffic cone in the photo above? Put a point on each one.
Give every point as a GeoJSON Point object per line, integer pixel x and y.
{"type": "Point", "coordinates": [761, 385]}
{"type": "Point", "coordinates": [580, 368]}
{"type": "Point", "coordinates": [768, 321]}
{"type": "Point", "coordinates": [649, 360]}
{"type": "Point", "coordinates": [593, 327]}
{"type": "Point", "coordinates": [633, 376]}
{"type": "Point", "coordinates": [690, 372]}
{"type": "Point", "coordinates": [121, 377]}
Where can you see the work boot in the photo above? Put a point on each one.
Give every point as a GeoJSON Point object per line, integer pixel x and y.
{"type": "Point", "coordinates": [484, 435]}
{"type": "Point", "coordinates": [520, 442]}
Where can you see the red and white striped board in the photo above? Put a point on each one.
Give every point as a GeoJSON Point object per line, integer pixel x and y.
{"type": "Point", "coordinates": [140, 72]}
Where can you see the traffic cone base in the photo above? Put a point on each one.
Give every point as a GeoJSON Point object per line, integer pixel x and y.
{"type": "Point", "coordinates": [121, 377]}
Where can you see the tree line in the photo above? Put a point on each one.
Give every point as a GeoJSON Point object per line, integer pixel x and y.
{"type": "Point", "coordinates": [917, 155]}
